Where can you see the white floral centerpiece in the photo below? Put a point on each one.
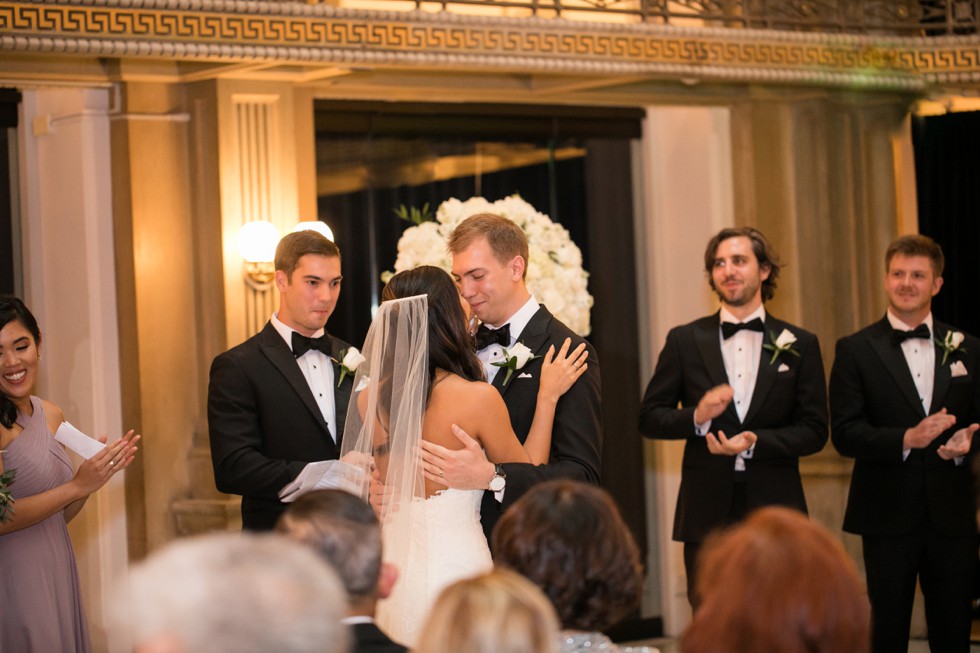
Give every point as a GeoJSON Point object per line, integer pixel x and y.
{"type": "Point", "coordinates": [554, 274]}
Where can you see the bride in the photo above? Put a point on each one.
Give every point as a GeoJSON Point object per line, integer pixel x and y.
{"type": "Point", "coordinates": [420, 379]}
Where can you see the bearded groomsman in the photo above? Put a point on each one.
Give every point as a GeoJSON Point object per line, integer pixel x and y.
{"type": "Point", "coordinates": [278, 401]}
{"type": "Point", "coordinates": [905, 403]}
{"type": "Point", "coordinates": [751, 396]}
{"type": "Point", "coordinates": [490, 259]}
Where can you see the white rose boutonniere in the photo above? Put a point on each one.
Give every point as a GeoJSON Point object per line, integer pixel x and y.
{"type": "Point", "coordinates": [951, 344]}
{"type": "Point", "coordinates": [515, 359]}
{"type": "Point", "coordinates": [782, 343]}
{"type": "Point", "coordinates": [6, 500]}
{"type": "Point", "coordinates": [350, 360]}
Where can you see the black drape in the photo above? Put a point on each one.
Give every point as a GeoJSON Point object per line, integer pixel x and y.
{"type": "Point", "coordinates": [9, 99]}
{"type": "Point", "coordinates": [947, 171]}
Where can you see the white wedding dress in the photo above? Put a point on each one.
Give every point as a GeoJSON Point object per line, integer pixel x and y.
{"type": "Point", "coordinates": [446, 544]}
{"type": "Point", "coordinates": [432, 541]}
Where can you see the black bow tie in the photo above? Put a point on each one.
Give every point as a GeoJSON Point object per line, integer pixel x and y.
{"type": "Point", "coordinates": [486, 337]}
{"type": "Point", "coordinates": [728, 329]}
{"type": "Point", "coordinates": [302, 344]}
{"type": "Point", "coordinates": [921, 331]}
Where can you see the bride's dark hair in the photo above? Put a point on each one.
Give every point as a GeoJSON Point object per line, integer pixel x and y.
{"type": "Point", "coordinates": [450, 346]}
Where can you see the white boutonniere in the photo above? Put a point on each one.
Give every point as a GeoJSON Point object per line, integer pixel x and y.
{"type": "Point", "coordinates": [951, 344]}
{"type": "Point", "coordinates": [350, 360]}
{"type": "Point", "coordinates": [782, 343]}
{"type": "Point", "coordinates": [515, 359]}
{"type": "Point", "coordinates": [6, 500]}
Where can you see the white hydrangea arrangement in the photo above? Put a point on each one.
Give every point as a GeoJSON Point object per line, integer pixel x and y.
{"type": "Point", "coordinates": [554, 275]}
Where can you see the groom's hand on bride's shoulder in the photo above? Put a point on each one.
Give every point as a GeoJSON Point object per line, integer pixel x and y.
{"type": "Point", "coordinates": [461, 469]}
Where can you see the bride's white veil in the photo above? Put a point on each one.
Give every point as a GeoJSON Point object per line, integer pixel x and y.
{"type": "Point", "coordinates": [384, 429]}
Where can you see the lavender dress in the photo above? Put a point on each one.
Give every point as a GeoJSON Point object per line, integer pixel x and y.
{"type": "Point", "coordinates": [40, 606]}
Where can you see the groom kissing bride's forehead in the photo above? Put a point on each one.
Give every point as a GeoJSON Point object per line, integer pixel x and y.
{"type": "Point", "coordinates": [490, 262]}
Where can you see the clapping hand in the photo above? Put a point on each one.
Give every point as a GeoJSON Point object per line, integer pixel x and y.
{"type": "Point", "coordinates": [959, 444]}
{"type": "Point", "coordinates": [97, 470]}
{"type": "Point", "coordinates": [722, 446]}
{"type": "Point", "coordinates": [930, 428]}
{"type": "Point", "coordinates": [713, 403]}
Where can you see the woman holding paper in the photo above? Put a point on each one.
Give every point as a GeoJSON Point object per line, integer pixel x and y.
{"type": "Point", "coordinates": [39, 592]}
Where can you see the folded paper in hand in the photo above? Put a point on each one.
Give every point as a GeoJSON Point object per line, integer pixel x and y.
{"type": "Point", "coordinates": [323, 475]}
{"type": "Point", "coordinates": [77, 441]}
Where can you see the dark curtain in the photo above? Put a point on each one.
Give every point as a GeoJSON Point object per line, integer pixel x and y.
{"type": "Point", "coordinates": [947, 171]}
{"type": "Point", "coordinates": [9, 100]}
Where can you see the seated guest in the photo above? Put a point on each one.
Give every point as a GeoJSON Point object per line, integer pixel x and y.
{"type": "Point", "coordinates": [234, 593]}
{"type": "Point", "coordinates": [569, 539]}
{"type": "Point", "coordinates": [498, 612]}
{"type": "Point", "coordinates": [778, 583]}
{"type": "Point", "coordinates": [344, 531]}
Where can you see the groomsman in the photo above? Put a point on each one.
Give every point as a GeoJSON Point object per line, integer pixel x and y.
{"type": "Point", "coordinates": [490, 259]}
{"type": "Point", "coordinates": [905, 402]}
{"type": "Point", "coordinates": [751, 396]}
{"type": "Point", "coordinates": [274, 401]}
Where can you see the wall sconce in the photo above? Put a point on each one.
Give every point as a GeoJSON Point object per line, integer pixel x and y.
{"type": "Point", "coordinates": [316, 225]}
{"type": "Point", "coordinates": [257, 242]}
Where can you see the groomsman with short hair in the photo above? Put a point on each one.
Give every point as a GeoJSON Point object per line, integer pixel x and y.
{"type": "Point", "coordinates": [905, 402]}
{"type": "Point", "coordinates": [746, 393]}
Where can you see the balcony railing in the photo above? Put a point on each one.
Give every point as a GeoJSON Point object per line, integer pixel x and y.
{"type": "Point", "coordinates": [896, 17]}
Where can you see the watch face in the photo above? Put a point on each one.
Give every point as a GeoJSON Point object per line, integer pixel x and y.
{"type": "Point", "coordinates": [497, 483]}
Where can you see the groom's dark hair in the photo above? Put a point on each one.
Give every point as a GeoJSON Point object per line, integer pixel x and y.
{"type": "Point", "coordinates": [764, 253]}
{"type": "Point", "coordinates": [450, 344]}
{"type": "Point", "coordinates": [294, 246]}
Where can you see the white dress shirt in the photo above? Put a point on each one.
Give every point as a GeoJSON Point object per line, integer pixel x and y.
{"type": "Point", "coordinates": [741, 353]}
{"type": "Point", "coordinates": [318, 372]}
{"type": "Point", "coordinates": [494, 353]}
{"type": "Point", "coordinates": [920, 356]}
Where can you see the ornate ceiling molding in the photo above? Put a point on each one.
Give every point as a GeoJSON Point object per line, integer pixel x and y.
{"type": "Point", "coordinates": [304, 34]}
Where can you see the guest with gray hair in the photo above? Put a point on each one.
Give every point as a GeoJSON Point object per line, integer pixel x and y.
{"type": "Point", "coordinates": [345, 532]}
{"type": "Point", "coordinates": [236, 594]}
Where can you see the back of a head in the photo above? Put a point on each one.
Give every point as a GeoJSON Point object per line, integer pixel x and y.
{"type": "Point", "coordinates": [235, 593]}
{"type": "Point", "coordinates": [344, 531]}
{"type": "Point", "coordinates": [569, 539]}
{"type": "Point", "coordinates": [498, 612]}
{"type": "Point", "coordinates": [780, 583]}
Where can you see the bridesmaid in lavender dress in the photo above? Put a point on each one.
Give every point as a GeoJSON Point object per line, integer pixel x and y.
{"type": "Point", "coordinates": [40, 606]}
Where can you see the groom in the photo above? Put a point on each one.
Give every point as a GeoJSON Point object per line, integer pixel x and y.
{"type": "Point", "coordinates": [490, 259]}
{"type": "Point", "coordinates": [752, 400]}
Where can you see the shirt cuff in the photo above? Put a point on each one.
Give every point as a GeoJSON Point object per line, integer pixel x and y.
{"type": "Point", "coordinates": [702, 429]}
{"type": "Point", "coordinates": [747, 454]}
{"type": "Point", "coordinates": [905, 454]}
{"type": "Point", "coordinates": [959, 460]}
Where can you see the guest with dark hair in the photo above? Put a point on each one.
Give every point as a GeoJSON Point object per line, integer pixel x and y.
{"type": "Point", "coordinates": [344, 531]}
{"type": "Point", "coordinates": [497, 612]}
{"type": "Point", "coordinates": [778, 583]}
{"type": "Point", "coordinates": [40, 602]}
{"type": "Point", "coordinates": [570, 540]}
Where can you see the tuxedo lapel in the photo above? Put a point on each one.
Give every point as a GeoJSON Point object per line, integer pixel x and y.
{"type": "Point", "coordinates": [275, 349]}
{"type": "Point", "coordinates": [943, 375]}
{"type": "Point", "coordinates": [706, 339]}
{"type": "Point", "coordinates": [893, 358]}
{"type": "Point", "coordinates": [534, 337]}
{"type": "Point", "coordinates": [341, 389]}
{"type": "Point", "coordinates": [767, 372]}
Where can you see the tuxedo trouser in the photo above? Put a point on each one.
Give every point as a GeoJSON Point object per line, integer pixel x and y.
{"type": "Point", "coordinates": [945, 568]}
{"type": "Point", "coordinates": [737, 512]}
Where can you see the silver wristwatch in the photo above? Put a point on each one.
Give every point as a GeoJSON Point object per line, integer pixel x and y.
{"type": "Point", "coordinates": [499, 480]}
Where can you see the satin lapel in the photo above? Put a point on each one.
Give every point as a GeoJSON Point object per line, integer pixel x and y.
{"type": "Point", "coordinates": [943, 375]}
{"type": "Point", "coordinates": [767, 372]}
{"type": "Point", "coordinates": [275, 349]}
{"type": "Point", "coordinates": [706, 339]}
{"type": "Point", "coordinates": [535, 337]}
{"type": "Point", "coordinates": [894, 360]}
{"type": "Point", "coordinates": [341, 393]}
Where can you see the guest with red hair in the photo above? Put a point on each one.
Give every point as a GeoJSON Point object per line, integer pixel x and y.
{"type": "Point", "coordinates": [779, 583]}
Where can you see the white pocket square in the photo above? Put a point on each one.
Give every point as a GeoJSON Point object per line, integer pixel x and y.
{"type": "Point", "coordinates": [783, 368]}
{"type": "Point", "coordinates": [525, 375]}
{"type": "Point", "coordinates": [957, 368]}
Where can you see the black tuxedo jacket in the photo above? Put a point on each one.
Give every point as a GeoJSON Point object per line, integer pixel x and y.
{"type": "Point", "coordinates": [264, 423]}
{"type": "Point", "coordinates": [873, 401]}
{"type": "Point", "coordinates": [368, 638]}
{"type": "Point", "coordinates": [576, 443]}
{"type": "Point", "coordinates": [788, 413]}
